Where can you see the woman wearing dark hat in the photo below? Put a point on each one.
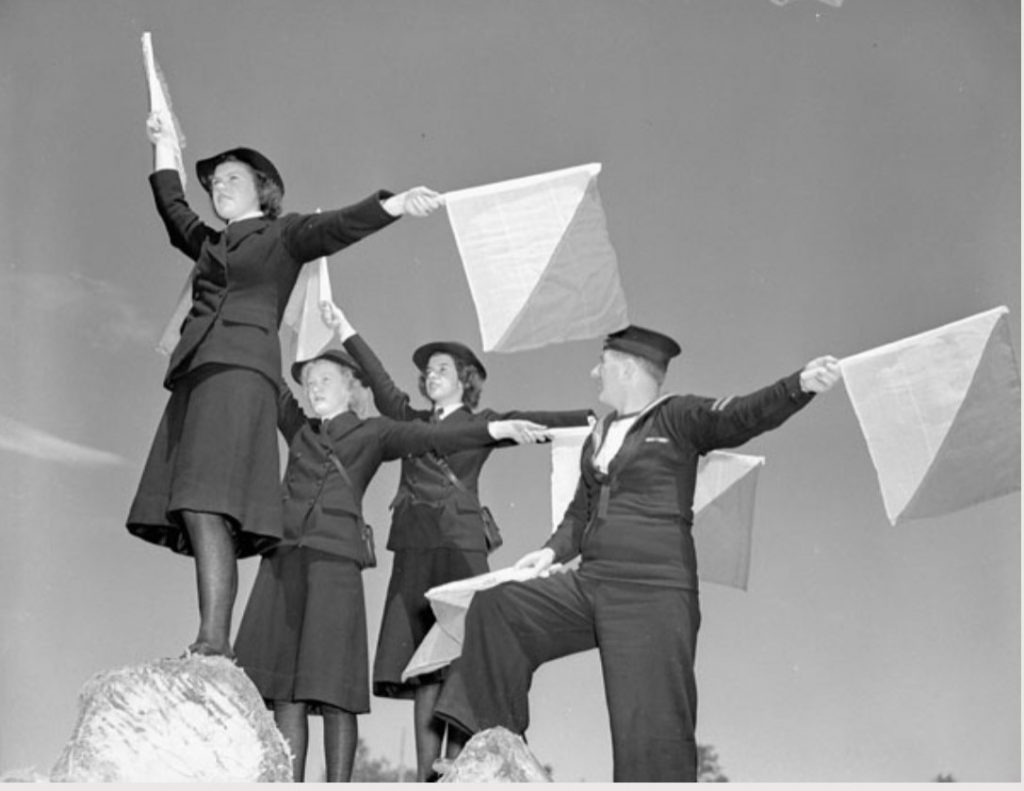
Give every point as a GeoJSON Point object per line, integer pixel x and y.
{"type": "Point", "coordinates": [437, 534]}
{"type": "Point", "coordinates": [302, 639]}
{"type": "Point", "coordinates": [209, 487]}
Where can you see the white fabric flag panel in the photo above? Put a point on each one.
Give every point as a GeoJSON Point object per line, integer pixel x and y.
{"type": "Point", "coordinates": [538, 259]}
{"type": "Point", "coordinates": [940, 412]}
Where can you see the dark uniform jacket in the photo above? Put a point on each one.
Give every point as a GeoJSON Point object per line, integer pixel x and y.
{"type": "Point", "coordinates": [429, 510]}
{"type": "Point", "coordinates": [244, 274]}
{"type": "Point", "coordinates": [321, 510]}
{"type": "Point", "coordinates": [634, 523]}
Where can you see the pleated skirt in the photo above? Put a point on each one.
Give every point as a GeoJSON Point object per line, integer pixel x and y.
{"type": "Point", "coordinates": [215, 451]}
{"type": "Point", "coordinates": [302, 637]}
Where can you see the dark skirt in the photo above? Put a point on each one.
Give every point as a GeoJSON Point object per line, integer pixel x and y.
{"type": "Point", "coordinates": [407, 615]}
{"type": "Point", "coordinates": [215, 451]}
{"type": "Point", "coordinates": [303, 634]}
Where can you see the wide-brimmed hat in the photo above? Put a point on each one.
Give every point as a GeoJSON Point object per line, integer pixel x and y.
{"type": "Point", "coordinates": [458, 351]}
{"type": "Point", "coordinates": [334, 355]}
{"type": "Point", "coordinates": [250, 156]}
{"type": "Point", "coordinates": [654, 346]}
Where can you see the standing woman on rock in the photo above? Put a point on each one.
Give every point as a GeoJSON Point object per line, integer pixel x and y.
{"type": "Point", "coordinates": [437, 532]}
{"type": "Point", "coordinates": [210, 485]}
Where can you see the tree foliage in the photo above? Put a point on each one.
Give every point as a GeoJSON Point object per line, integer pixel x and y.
{"type": "Point", "coordinates": [708, 770]}
{"type": "Point", "coordinates": [370, 769]}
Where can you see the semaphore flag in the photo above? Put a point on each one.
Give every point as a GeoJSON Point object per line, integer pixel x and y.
{"type": "Point", "coordinates": [540, 264]}
{"type": "Point", "coordinates": [940, 412]}
{"type": "Point", "coordinates": [303, 333]}
{"type": "Point", "coordinates": [723, 505]}
{"type": "Point", "coordinates": [160, 102]}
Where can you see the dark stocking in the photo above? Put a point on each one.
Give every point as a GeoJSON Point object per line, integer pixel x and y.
{"type": "Point", "coordinates": [429, 730]}
{"type": "Point", "coordinates": [216, 580]}
{"type": "Point", "coordinates": [293, 723]}
{"type": "Point", "coordinates": [341, 734]}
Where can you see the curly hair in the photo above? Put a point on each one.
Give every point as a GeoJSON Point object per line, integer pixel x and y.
{"type": "Point", "coordinates": [270, 195]}
{"type": "Point", "coordinates": [470, 377]}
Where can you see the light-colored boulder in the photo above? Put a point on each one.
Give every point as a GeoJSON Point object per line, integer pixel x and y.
{"type": "Point", "coordinates": [494, 756]}
{"type": "Point", "coordinates": [195, 719]}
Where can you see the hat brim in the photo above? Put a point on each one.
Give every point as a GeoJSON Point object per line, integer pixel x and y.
{"type": "Point", "coordinates": [250, 156]}
{"type": "Point", "coordinates": [334, 355]}
{"type": "Point", "coordinates": [458, 351]}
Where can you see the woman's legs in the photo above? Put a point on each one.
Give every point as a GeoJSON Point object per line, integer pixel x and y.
{"type": "Point", "coordinates": [341, 734]}
{"type": "Point", "coordinates": [457, 739]}
{"type": "Point", "coordinates": [290, 717]}
{"type": "Point", "coordinates": [429, 731]}
{"type": "Point", "coordinates": [216, 580]}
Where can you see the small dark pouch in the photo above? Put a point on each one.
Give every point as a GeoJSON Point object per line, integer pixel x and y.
{"type": "Point", "coordinates": [492, 535]}
{"type": "Point", "coordinates": [369, 553]}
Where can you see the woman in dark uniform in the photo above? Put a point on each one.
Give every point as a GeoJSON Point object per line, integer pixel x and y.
{"type": "Point", "coordinates": [302, 639]}
{"type": "Point", "coordinates": [209, 487]}
{"type": "Point", "coordinates": [437, 533]}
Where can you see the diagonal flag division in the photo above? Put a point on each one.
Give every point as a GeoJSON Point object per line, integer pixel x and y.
{"type": "Point", "coordinates": [723, 505]}
{"type": "Point", "coordinates": [723, 517]}
{"type": "Point", "coordinates": [540, 264]}
{"type": "Point", "coordinates": [940, 412]}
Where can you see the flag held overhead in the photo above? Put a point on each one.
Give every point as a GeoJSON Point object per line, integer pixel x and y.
{"type": "Point", "coordinates": [303, 332]}
{"type": "Point", "coordinates": [160, 102]}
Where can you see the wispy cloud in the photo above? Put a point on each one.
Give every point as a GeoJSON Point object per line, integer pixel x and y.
{"type": "Point", "coordinates": [28, 441]}
{"type": "Point", "coordinates": [102, 313]}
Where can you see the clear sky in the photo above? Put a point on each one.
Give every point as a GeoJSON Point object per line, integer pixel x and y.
{"type": "Point", "coordinates": [780, 182]}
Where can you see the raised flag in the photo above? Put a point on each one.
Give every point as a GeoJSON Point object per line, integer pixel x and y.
{"type": "Point", "coordinates": [303, 332]}
{"type": "Point", "coordinates": [540, 265]}
{"type": "Point", "coordinates": [940, 412]}
{"type": "Point", "coordinates": [160, 102]}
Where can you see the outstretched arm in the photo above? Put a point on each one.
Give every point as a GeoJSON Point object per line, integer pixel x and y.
{"type": "Point", "coordinates": [731, 421]}
{"type": "Point", "coordinates": [415, 437]}
{"type": "Point", "coordinates": [417, 202]}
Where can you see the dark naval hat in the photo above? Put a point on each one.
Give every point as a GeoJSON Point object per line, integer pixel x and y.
{"type": "Point", "coordinates": [335, 355]}
{"type": "Point", "coordinates": [250, 156]}
{"type": "Point", "coordinates": [654, 346]}
{"type": "Point", "coordinates": [457, 350]}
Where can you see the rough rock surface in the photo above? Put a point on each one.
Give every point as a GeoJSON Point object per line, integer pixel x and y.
{"type": "Point", "coordinates": [195, 719]}
{"type": "Point", "coordinates": [495, 756]}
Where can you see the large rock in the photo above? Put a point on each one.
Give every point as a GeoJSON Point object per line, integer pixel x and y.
{"type": "Point", "coordinates": [495, 756]}
{"type": "Point", "coordinates": [196, 719]}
